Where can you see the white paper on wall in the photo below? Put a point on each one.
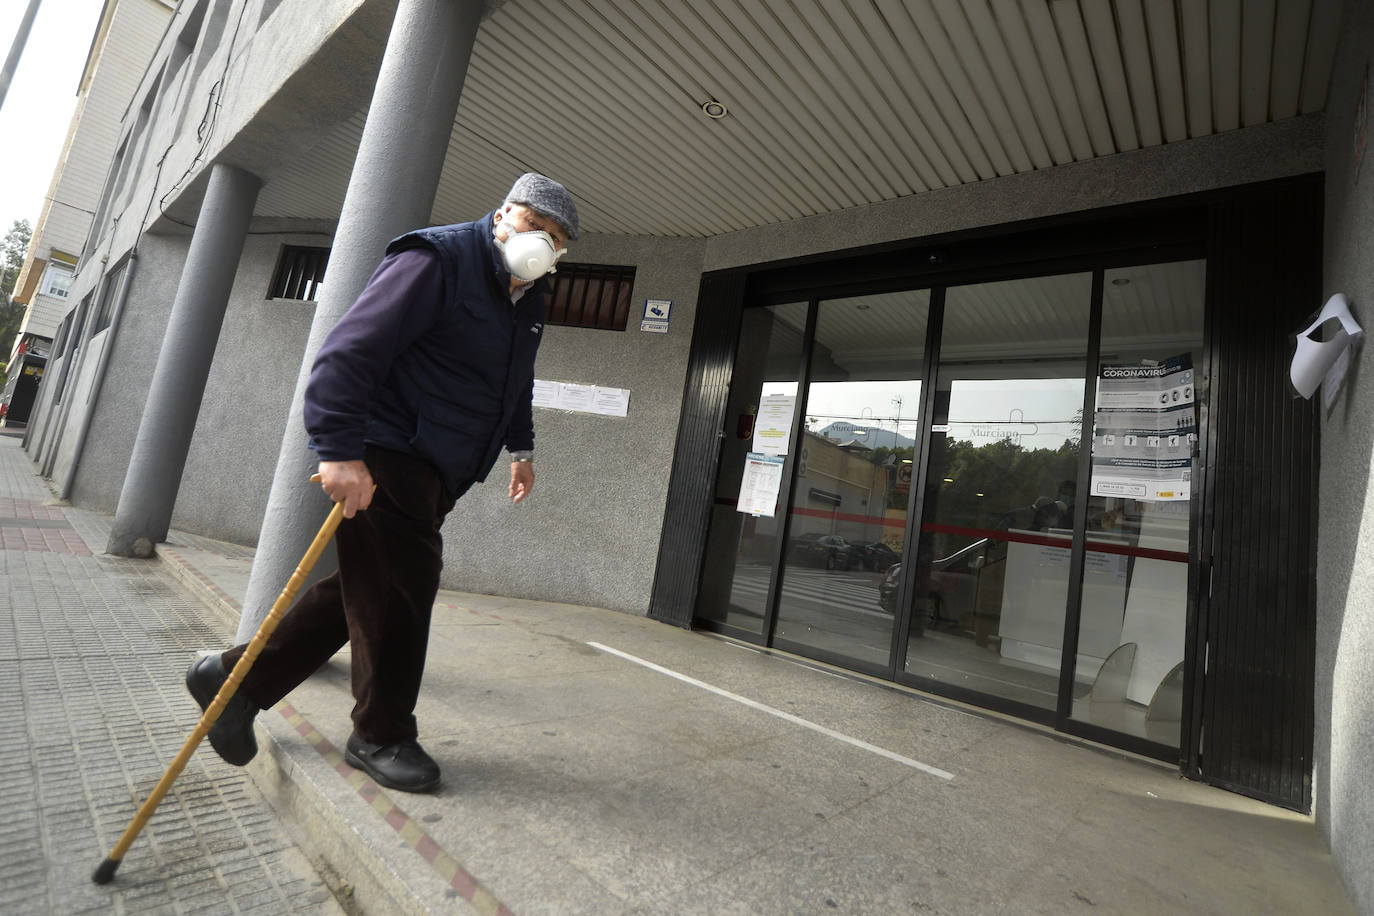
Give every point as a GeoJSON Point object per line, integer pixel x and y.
{"type": "Point", "coordinates": [595, 399]}
{"type": "Point", "coordinates": [545, 393]}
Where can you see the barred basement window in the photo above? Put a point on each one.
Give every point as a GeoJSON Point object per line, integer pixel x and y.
{"type": "Point", "coordinates": [592, 296]}
{"type": "Point", "coordinates": [299, 274]}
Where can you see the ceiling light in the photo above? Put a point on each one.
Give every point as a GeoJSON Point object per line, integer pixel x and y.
{"type": "Point", "coordinates": [1121, 281]}
{"type": "Point", "coordinates": [714, 110]}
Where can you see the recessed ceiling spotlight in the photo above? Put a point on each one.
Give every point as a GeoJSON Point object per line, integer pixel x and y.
{"type": "Point", "coordinates": [714, 110]}
{"type": "Point", "coordinates": [1121, 281]}
{"type": "Point", "coordinates": [862, 306]}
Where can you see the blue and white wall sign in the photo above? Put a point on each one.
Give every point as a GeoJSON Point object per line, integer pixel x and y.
{"type": "Point", "coordinates": [656, 312]}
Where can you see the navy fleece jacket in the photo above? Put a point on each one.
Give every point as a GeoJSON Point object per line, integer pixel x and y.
{"type": "Point", "coordinates": [432, 360]}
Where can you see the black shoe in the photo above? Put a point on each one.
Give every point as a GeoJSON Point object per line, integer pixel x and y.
{"type": "Point", "coordinates": [403, 765]}
{"type": "Point", "coordinates": [232, 734]}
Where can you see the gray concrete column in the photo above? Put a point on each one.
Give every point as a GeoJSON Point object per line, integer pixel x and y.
{"type": "Point", "coordinates": [395, 177]}
{"type": "Point", "coordinates": [183, 365]}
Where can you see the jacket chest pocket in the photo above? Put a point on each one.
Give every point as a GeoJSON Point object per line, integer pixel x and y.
{"type": "Point", "coordinates": [479, 335]}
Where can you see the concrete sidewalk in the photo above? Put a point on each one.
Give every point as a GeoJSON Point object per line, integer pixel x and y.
{"type": "Point", "coordinates": [92, 709]}
{"type": "Point", "coordinates": [597, 762]}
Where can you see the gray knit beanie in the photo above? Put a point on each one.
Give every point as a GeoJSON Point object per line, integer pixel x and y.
{"type": "Point", "coordinates": [548, 197]}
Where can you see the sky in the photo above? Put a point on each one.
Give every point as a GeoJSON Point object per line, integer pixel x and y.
{"type": "Point", "coordinates": [38, 107]}
{"type": "Point", "coordinates": [1034, 412]}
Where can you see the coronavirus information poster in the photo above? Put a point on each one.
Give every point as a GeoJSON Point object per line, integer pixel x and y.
{"type": "Point", "coordinates": [1145, 427]}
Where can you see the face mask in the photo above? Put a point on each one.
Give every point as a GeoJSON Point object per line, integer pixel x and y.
{"type": "Point", "coordinates": [529, 255]}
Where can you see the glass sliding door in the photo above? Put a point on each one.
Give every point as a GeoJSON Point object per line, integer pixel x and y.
{"type": "Point", "coordinates": [848, 515]}
{"type": "Point", "coordinates": [1135, 571]}
{"type": "Point", "coordinates": [1005, 592]}
{"type": "Point", "coordinates": [991, 574]}
{"type": "Point", "coordinates": [741, 548]}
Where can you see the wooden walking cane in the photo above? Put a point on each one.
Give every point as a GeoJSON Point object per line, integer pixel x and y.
{"type": "Point", "coordinates": [104, 873]}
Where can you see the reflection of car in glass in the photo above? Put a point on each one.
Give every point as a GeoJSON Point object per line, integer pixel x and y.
{"type": "Point", "coordinates": [828, 550]}
{"type": "Point", "coordinates": [877, 556]}
{"type": "Point", "coordinates": [887, 589]}
{"type": "Point", "coordinates": [952, 583]}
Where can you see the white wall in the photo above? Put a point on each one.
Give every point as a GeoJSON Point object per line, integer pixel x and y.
{"type": "Point", "coordinates": [1344, 741]}
{"type": "Point", "coordinates": [116, 66]}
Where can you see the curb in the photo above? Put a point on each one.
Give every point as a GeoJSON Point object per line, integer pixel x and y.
{"type": "Point", "coordinates": [289, 773]}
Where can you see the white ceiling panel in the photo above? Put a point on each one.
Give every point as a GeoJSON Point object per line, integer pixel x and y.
{"type": "Point", "coordinates": [1168, 68]}
{"type": "Point", "coordinates": [1290, 44]}
{"type": "Point", "coordinates": [1256, 59]}
{"type": "Point", "coordinates": [834, 104]}
{"type": "Point", "coordinates": [1323, 32]}
{"type": "Point", "coordinates": [1073, 35]}
{"type": "Point", "coordinates": [1049, 56]}
{"type": "Point", "coordinates": [1197, 67]}
{"type": "Point", "coordinates": [1225, 38]}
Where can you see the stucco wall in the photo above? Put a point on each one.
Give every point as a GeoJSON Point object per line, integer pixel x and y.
{"type": "Point", "coordinates": [233, 452]}
{"type": "Point", "coordinates": [589, 532]}
{"type": "Point", "coordinates": [114, 425]}
{"type": "Point", "coordinates": [1344, 745]}
{"type": "Point", "coordinates": [229, 466]}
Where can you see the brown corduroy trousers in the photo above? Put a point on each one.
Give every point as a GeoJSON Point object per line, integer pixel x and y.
{"type": "Point", "coordinates": [379, 601]}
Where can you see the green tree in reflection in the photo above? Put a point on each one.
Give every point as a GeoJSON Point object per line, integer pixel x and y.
{"type": "Point", "coordinates": [994, 486]}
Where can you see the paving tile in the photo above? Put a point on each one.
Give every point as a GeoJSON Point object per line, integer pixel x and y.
{"type": "Point", "coordinates": [92, 649]}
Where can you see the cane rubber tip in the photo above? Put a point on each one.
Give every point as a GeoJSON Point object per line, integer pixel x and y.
{"type": "Point", "coordinates": [104, 874]}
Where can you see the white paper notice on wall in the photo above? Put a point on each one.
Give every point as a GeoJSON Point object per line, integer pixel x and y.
{"type": "Point", "coordinates": [611, 402]}
{"type": "Point", "coordinates": [596, 399]}
{"type": "Point", "coordinates": [545, 393]}
{"type": "Point", "coordinates": [1319, 361]}
{"type": "Point", "coordinates": [576, 397]}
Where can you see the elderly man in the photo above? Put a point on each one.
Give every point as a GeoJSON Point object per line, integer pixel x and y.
{"type": "Point", "coordinates": [415, 390]}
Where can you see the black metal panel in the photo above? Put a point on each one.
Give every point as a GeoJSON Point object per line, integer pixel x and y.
{"type": "Point", "coordinates": [1257, 626]}
{"type": "Point", "coordinates": [687, 515]}
{"type": "Point", "coordinates": [1078, 555]}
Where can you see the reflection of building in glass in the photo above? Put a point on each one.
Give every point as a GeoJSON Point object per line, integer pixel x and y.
{"type": "Point", "coordinates": [842, 490]}
{"type": "Point", "coordinates": [871, 436]}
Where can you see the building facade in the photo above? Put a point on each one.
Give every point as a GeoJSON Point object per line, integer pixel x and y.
{"type": "Point", "coordinates": [126, 36]}
{"type": "Point", "coordinates": [1047, 259]}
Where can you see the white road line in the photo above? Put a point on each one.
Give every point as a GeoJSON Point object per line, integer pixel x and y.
{"type": "Point", "coordinates": [795, 720]}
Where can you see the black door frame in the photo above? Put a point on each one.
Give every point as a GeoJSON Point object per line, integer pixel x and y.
{"type": "Point", "coordinates": [1155, 231]}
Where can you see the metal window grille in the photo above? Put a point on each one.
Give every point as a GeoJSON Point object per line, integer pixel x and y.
{"type": "Point", "coordinates": [592, 296]}
{"type": "Point", "coordinates": [60, 340]}
{"type": "Point", "coordinates": [299, 273]}
{"type": "Point", "coordinates": [72, 335]}
{"type": "Point", "coordinates": [107, 299]}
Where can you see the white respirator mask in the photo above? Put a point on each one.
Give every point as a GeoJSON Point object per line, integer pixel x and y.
{"type": "Point", "coordinates": [529, 255]}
